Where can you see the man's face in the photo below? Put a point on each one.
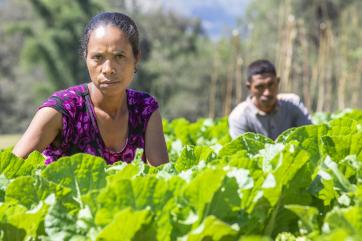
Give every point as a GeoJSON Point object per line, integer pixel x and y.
{"type": "Point", "coordinates": [264, 90]}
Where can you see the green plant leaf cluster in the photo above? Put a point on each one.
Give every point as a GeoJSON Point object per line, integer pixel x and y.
{"type": "Point", "coordinates": [305, 185]}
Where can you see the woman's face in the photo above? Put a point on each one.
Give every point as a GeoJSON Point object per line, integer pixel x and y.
{"type": "Point", "coordinates": [110, 60]}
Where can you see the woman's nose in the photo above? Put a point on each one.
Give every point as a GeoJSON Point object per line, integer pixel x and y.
{"type": "Point", "coordinates": [108, 67]}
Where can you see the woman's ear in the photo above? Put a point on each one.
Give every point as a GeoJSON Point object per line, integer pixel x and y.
{"type": "Point", "coordinates": [138, 58]}
{"type": "Point", "coordinates": [247, 84]}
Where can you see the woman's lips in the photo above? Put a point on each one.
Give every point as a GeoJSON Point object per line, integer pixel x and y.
{"type": "Point", "coordinates": [109, 83]}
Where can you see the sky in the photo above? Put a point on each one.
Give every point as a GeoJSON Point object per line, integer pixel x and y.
{"type": "Point", "coordinates": [217, 16]}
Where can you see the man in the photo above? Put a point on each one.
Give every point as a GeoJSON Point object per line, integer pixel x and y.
{"type": "Point", "coordinates": [265, 111]}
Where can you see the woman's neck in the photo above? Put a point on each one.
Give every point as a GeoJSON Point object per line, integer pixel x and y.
{"type": "Point", "coordinates": [114, 105]}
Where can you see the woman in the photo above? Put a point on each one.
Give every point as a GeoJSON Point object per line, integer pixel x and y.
{"type": "Point", "coordinates": [103, 117]}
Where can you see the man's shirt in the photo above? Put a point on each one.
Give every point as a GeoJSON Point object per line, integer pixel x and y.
{"type": "Point", "coordinates": [289, 112]}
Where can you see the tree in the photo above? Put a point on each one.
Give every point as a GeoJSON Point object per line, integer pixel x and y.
{"type": "Point", "coordinates": [53, 39]}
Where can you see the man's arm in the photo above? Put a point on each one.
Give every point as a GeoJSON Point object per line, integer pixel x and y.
{"type": "Point", "coordinates": [303, 117]}
{"type": "Point", "coordinates": [237, 123]}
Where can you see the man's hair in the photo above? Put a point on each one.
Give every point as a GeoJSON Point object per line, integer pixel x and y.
{"type": "Point", "coordinates": [261, 66]}
{"type": "Point", "coordinates": [119, 20]}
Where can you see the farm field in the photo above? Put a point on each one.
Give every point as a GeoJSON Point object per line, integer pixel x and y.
{"type": "Point", "coordinates": [8, 140]}
{"type": "Point", "coordinates": [306, 185]}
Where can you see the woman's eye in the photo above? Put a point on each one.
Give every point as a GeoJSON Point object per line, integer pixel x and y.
{"type": "Point", "coordinates": [119, 56]}
{"type": "Point", "coordinates": [97, 57]}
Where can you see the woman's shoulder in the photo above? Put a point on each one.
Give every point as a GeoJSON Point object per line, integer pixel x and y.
{"type": "Point", "coordinates": [72, 92]}
{"type": "Point", "coordinates": [140, 98]}
{"type": "Point", "coordinates": [67, 100]}
{"type": "Point", "coordinates": [141, 105]}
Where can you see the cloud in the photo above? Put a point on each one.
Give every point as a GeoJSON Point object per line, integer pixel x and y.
{"type": "Point", "coordinates": [216, 15]}
{"type": "Point", "coordinates": [234, 8]}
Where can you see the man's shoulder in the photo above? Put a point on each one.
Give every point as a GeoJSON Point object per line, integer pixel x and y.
{"type": "Point", "coordinates": [292, 104]}
{"type": "Point", "coordinates": [242, 109]}
{"type": "Point", "coordinates": [289, 99]}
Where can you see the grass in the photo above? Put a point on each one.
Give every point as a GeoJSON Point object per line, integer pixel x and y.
{"type": "Point", "coordinates": [8, 140]}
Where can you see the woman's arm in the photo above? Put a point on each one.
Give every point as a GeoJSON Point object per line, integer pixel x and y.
{"type": "Point", "coordinates": [42, 130]}
{"type": "Point", "coordinates": [155, 145]}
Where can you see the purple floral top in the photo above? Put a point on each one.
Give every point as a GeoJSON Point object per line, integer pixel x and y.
{"type": "Point", "coordinates": [80, 132]}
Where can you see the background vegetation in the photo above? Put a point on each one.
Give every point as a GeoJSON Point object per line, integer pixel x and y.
{"type": "Point", "coordinates": [316, 45]}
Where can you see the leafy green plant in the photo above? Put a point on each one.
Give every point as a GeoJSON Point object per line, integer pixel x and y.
{"type": "Point", "coordinates": [306, 184]}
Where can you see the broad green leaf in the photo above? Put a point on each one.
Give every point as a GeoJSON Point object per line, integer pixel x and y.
{"type": "Point", "coordinates": [12, 166]}
{"type": "Point", "coordinates": [80, 172]}
{"type": "Point", "coordinates": [342, 127]}
{"type": "Point", "coordinates": [4, 182]}
{"type": "Point", "coordinates": [201, 190]}
{"type": "Point", "coordinates": [340, 181]}
{"type": "Point", "coordinates": [285, 236]}
{"type": "Point", "coordinates": [339, 147]}
{"type": "Point", "coordinates": [309, 138]}
{"type": "Point", "coordinates": [151, 192]}
{"type": "Point", "coordinates": [129, 225]}
{"type": "Point", "coordinates": [138, 193]}
{"type": "Point", "coordinates": [173, 222]}
{"type": "Point", "coordinates": [250, 142]}
{"type": "Point", "coordinates": [350, 166]}
{"type": "Point", "coordinates": [116, 196]}
{"type": "Point", "coordinates": [281, 168]}
{"type": "Point", "coordinates": [59, 223]}
{"type": "Point", "coordinates": [124, 171]}
{"type": "Point", "coordinates": [29, 191]}
{"type": "Point", "coordinates": [285, 135]}
{"type": "Point", "coordinates": [180, 128]}
{"type": "Point", "coordinates": [18, 223]}
{"type": "Point", "coordinates": [349, 219]}
{"type": "Point", "coordinates": [192, 155]}
{"type": "Point", "coordinates": [225, 204]}
{"type": "Point", "coordinates": [307, 215]}
{"type": "Point", "coordinates": [256, 238]}
{"type": "Point", "coordinates": [355, 114]}
{"type": "Point", "coordinates": [322, 187]}
{"type": "Point", "coordinates": [240, 159]}
{"type": "Point", "coordinates": [285, 166]}
{"type": "Point", "coordinates": [213, 229]}
{"type": "Point", "coordinates": [338, 235]}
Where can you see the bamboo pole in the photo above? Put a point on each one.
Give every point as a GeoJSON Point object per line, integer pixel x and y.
{"type": "Point", "coordinates": [356, 74]}
{"type": "Point", "coordinates": [238, 79]}
{"type": "Point", "coordinates": [229, 89]}
{"type": "Point", "coordinates": [237, 65]}
{"type": "Point", "coordinates": [305, 68]}
{"type": "Point", "coordinates": [213, 83]}
{"type": "Point", "coordinates": [281, 32]}
{"type": "Point", "coordinates": [289, 47]}
{"type": "Point", "coordinates": [321, 67]}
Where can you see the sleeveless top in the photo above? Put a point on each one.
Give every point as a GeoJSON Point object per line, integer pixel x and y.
{"type": "Point", "coordinates": [80, 132]}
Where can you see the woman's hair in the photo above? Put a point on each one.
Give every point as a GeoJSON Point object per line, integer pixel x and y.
{"type": "Point", "coordinates": [120, 20]}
